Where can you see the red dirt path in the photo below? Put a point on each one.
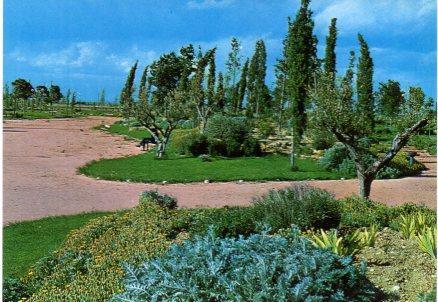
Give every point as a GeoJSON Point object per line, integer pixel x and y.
{"type": "Point", "coordinates": [40, 159]}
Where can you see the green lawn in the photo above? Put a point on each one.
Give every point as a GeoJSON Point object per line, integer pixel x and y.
{"type": "Point", "coordinates": [26, 242]}
{"type": "Point", "coordinates": [183, 169]}
{"type": "Point", "coordinates": [145, 168]}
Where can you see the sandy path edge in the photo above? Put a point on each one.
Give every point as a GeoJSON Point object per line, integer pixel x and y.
{"type": "Point", "coordinates": [40, 178]}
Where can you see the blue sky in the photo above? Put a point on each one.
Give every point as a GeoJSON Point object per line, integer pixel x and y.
{"type": "Point", "coordinates": [89, 45]}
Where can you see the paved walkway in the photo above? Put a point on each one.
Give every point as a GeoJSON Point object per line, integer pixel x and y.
{"type": "Point", "coordinates": [40, 179]}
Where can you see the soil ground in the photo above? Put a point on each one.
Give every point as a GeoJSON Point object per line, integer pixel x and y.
{"type": "Point", "coordinates": [40, 158]}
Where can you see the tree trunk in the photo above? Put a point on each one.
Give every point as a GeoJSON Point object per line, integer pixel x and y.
{"type": "Point", "coordinates": [292, 151]}
{"type": "Point", "coordinates": [365, 181]}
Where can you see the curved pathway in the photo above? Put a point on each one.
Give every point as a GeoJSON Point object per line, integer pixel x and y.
{"type": "Point", "coordinates": [40, 159]}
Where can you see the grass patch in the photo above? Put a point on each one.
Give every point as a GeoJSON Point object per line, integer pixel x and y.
{"type": "Point", "coordinates": [26, 242]}
{"type": "Point", "coordinates": [131, 132]}
{"type": "Point", "coordinates": [425, 142]}
{"type": "Point", "coordinates": [145, 168]}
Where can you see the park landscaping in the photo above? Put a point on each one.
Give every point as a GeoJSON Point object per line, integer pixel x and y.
{"type": "Point", "coordinates": [293, 244]}
{"type": "Point", "coordinates": [101, 261]}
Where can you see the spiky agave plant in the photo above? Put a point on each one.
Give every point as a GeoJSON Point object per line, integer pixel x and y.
{"type": "Point", "coordinates": [427, 241]}
{"type": "Point", "coordinates": [408, 226]}
{"type": "Point", "coordinates": [334, 243]}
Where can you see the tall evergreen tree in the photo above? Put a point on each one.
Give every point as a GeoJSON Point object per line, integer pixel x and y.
{"type": "Point", "coordinates": [330, 55]}
{"type": "Point", "coordinates": [300, 63]}
{"type": "Point", "coordinates": [257, 89]}
{"type": "Point", "coordinates": [242, 86]}
{"type": "Point", "coordinates": [126, 100]}
{"type": "Point", "coordinates": [142, 88]}
{"type": "Point", "coordinates": [233, 67]}
{"type": "Point", "coordinates": [364, 83]}
{"type": "Point", "coordinates": [390, 98]}
{"type": "Point", "coordinates": [220, 92]}
{"type": "Point", "coordinates": [211, 80]}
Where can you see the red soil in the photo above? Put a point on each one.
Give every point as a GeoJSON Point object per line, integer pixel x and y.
{"type": "Point", "coordinates": [40, 159]}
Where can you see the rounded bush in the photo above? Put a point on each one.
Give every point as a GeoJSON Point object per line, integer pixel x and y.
{"type": "Point", "coordinates": [302, 206]}
{"type": "Point", "coordinates": [163, 200]}
{"type": "Point", "coordinates": [259, 268]}
{"type": "Point", "coordinates": [190, 143]}
{"type": "Point", "coordinates": [334, 156]}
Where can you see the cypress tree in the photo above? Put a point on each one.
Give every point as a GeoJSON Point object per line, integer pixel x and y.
{"type": "Point", "coordinates": [126, 100]}
{"type": "Point", "coordinates": [257, 89]}
{"type": "Point", "coordinates": [211, 77]}
{"type": "Point", "coordinates": [233, 67]}
{"type": "Point", "coordinates": [364, 82]}
{"type": "Point", "coordinates": [299, 63]}
{"type": "Point", "coordinates": [142, 88]}
{"type": "Point", "coordinates": [220, 92]}
{"type": "Point", "coordinates": [242, 85]}
{"type": "Point", "coordinates": [330, 55]}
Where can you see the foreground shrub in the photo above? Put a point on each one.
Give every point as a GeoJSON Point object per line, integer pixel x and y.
{"type": "Point", "coordinates": [163, 200]}
{"type": "Point", "coordinates": [14, 290]}
{"type": "Point", "coordinates": [358, 212]}
{"type": "Point", "coordinates": [334, 156]}
{"type": "Point", "coordinates": [88, 266]}
{"type": "Point", "coordinates": [259, 268]}
{"type": "Point", "coordinates": [227, 221]}
{"type": "Point", "coordinates": [303, 206]}
{"type": "Point", "coordinates": [428, 296]}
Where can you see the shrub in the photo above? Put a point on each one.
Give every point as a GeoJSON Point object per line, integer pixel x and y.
{"type": "Point", "coordinates": [303, 206]}
{"type": "Point", "coordinates": [251, 147]}
{"type": "Point", "coordinates": [226, 221]}
{"type": "Point", "coordinates": [358, 212]}
{"type": "Point", "coordinates": [163, 200]}
{"type": "Point", "coordinates": [14, 290]}
{"type": "Point", "coordinates": [88, 266]}
{"type": "Point", "coordinates": [334, 156]}
{"type": "Point", "coordinates": [428, 296]}
{"type": "Point", "coordinates": [259, 268]}
{"type": "Point", "coordinates": [190, 143]}
{"type": "Point", "coordinates": [226, 135]}
{"type": "Point", "coordinates": [265, 127]}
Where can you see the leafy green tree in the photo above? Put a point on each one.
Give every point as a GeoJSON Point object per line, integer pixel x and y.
{"type": "Point", "coordinates": [299, 63]}
{"type": "Point", "coordinates": [126, 99]}
{"type": "Point", "coordinates": [337, 111]}
{"type": "Point", "coordinates": [55, 93]}
{"type": "Point", "coordinates": [22, 91]}
{"type": "Point", "coordinates": [279, 96]}
{"type": "Point", "coordinates": [41, 96]}
{"type": "Point", "coordinates": [257, 97]}
{"type": "Point", "coordinates": [389, 98]}
{"type": "Point", "coordinates": [364, 82]}
{"type": "Point", "coordinates": [168, 105]}
{"type": "Point", "coordinates": [7, 96]}
{"type": "Point", "coordinates": [330, 55]}
{"type": "Point", "coordinates": [211, 78]}
{"type": "Point", "coordinates": [233, 67]}
{"type": "Point", "coordinates": [242, 87]}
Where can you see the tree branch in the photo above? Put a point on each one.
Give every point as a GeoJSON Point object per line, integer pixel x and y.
{"type": "Point", "coordinates": [399, 141]}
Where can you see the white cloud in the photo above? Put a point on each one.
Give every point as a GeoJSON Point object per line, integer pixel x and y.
{"type": "Point", "coordinates": [206, 4]}
{"type": "Point", "coordinates": [397, 15]}
{"type": "Point", "coordinates": [76, 55]}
